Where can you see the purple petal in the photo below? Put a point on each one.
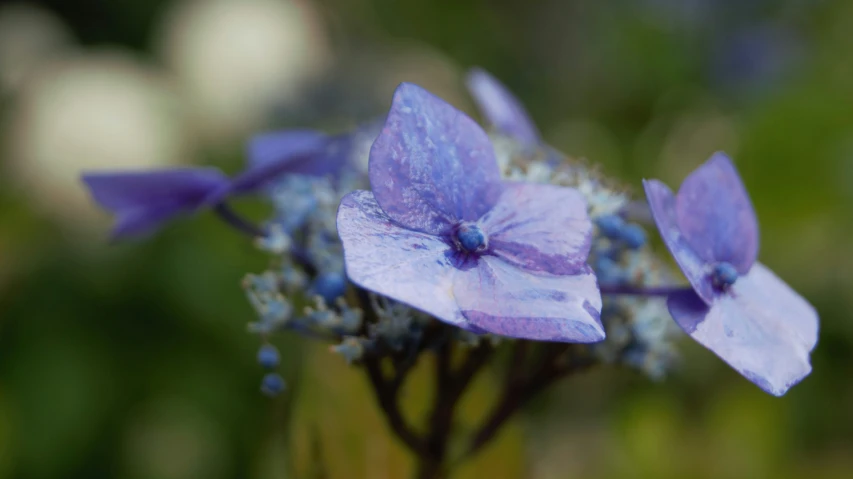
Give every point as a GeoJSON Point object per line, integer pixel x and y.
{"type": "Point", "coordinates": [715, 215]}
{"type": "Point", "coordinates": [404, 265]}
{"type": "Point", "coordinates": [304, 152]}
{"type": "Point", "coordinates": [144, 221]}
{"type": "Point", "coordinates": [499, 298]}
{"type": "Point", "coordinates": [662, 206]}
{"type": "Point", "coordinates": [274, 147]}
{"type": "Point", "coordinates": [432, 166]}
{"type": "Point", "coordinates": [142, 201]}
{"type": "Point", "coordinates": [501, 108]}
{"type": "Point", "coordinates": [763, 328]}
{"type": "Point", "coordinates": [540, 227]}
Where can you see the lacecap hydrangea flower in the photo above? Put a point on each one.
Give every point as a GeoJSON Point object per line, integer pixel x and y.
{"type": "Point", "coordinates": [443, 232]}
{"type": "Point", "coordinates": [737, 307]}
{"type": "Point", "coordinates": [496, 233]}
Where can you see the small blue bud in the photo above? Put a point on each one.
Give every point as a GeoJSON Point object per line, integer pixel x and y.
{"type": "Point", "coordinates": [330, 286]}
{"type": "Point", "coordinates": [276, 310]}
{"type": "Point", "coordinates": [272, 384]}
{"type": "Point", "coordinates": [633, 235]}
{"type": "Point", "coordinates": [471, 238]}
{"type": "Point", "coordinates": [724, 275]}
{"type": "Point", "coordinates": [608, 271]}
{"type": "Point", "coordinates": [610, 225]}
{"type": "Point", "coordinates": [268, 356]}
{"type": "Point", "coordinates": [351, 348]}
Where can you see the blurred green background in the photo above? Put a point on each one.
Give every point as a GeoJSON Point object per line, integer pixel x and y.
{"type": "Point", "coordinates": [132, 360]}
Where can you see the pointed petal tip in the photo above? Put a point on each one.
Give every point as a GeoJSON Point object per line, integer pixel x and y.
{"type": "Point", "coordinates": [432, 165]}
{"type": "Point", "coordinates": [777, 390]}
{"type": "Point", "coordinates": [716, 216]}
{"type": "Point", "coordinates": [749, 335]}
{"type": "Point", "coordinates": [142, 201]}
{"type": "Point", "coordinates": [500, 107]}
{"type": "Point", "coordinates": [720, 157]}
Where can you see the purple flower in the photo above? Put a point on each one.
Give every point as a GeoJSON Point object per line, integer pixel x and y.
{"type": "Point", "coordinates": [501, 108]}
{"type": "Point", "coordinates": [143, 201]}
{"type": "Point", "coordinates": [442, 231]}
{"type": "Point", "coordinates": [757, 58]}
{"type": "Point", "coordinates": [305, 152]}
{"type": "Point", "coordinates": [737, 307]}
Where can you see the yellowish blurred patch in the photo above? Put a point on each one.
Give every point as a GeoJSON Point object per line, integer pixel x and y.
{"type": "Point", "coordinates": [339, 432]}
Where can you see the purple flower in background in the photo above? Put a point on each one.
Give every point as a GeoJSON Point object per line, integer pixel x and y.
{"type": "Point", "coordinates": [756, 58]}
{"type": "Point", "coordinates": [501, 108]}
{"type": "Point", "coordinates": [143, 201]}
{"type": "Point", "coordinates": [442, 231]}
{"type": "Point", "coordinates": [302, 152]}
{"type": "Point", "coordinates": [737, 307]}
{"type": "Point", "coordinates": [270, 155]}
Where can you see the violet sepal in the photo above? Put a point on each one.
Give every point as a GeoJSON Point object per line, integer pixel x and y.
{"type": "Point", "coordinates": [142, 201]}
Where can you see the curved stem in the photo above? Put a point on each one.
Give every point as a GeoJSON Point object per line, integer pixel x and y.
{"type": "Point", "coordinates": [450, 386]}
{"type": "Point", "coordinates": [519, 391]}
{"type": "Point", "coordinates": [234, 219]}
{"type": "Point", "coordinates": [642, 291]}
{"type": "Point", "coordinates": [387, 393]}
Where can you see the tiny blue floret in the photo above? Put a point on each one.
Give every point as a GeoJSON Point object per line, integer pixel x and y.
{"type": "Point", "coordinates": [610, 225]}
{"type": "Point", "coordinates": [724, 275]}
{"type": "Point", "coordinates": [268, 356]}
{"type": "Point", "coordinates": [330, 286]}
{"type": "Point", "coordinates": [272, 384]}
{"type": "Point", "coordinates": [471, 238]}
{"type": "Point", "coordinates": [633, 235]}
{"type": "Point", "coordinates": [608, 271]}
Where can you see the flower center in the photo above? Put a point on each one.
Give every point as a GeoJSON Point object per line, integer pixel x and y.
{"type": "Point", "coordinates": [723, 275]}
{"type": "Point", "coordinates": [470, 238]}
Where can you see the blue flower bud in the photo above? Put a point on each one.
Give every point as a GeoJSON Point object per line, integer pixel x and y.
{"type": "Point", "coordinates": [608, 271]}
{"type": "Point", "coordinates": [633, 235]}
{"type": "Point", "coordinates": [471, 238]}
{"type": "Point", "coordinates": [272, 384]}
{"type": "Point", "coordinates": [268, 356]}
{"type": "Point", "coordinates": [330, 286]}
{"type": "Point", "coordinates": [724, 275]}
{"type": "Point", "coordinates": [610, 225]}
{"type": "Point", "coordinates": [351, 348]}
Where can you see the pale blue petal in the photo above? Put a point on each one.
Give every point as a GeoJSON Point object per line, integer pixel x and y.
{"type": "Point", "coordinates": [540, 227]}
{"type": "Point", "coordinates": [662, 206]}
{"type": "Point", "coordinates": [762, 328]}
{"type": "Point", "coordinates": [143, 200]}
{"type": "Point", "coordinates": [432, 166]}
{"type": "Point", "coordinates": [715, 215]}
{"type": "Point", "coordinates": [499, 298]}
{"type": "Point", "coordinates": [408, 266]}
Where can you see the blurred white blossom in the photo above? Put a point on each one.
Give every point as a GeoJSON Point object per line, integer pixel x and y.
{"type": "Point", "coordinates": [101, 110]}
{"type": "Point", "coordinates": [238, 59]}
{"type": "Point", "coordinates": [29, 37]}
